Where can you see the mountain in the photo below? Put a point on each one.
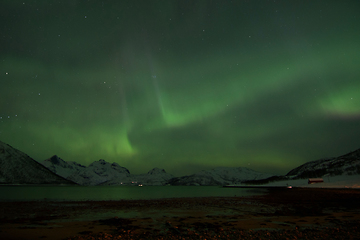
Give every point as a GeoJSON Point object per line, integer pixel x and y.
{"type": "Point", "coordinates": [101, 171]}
{"type": "Point", "coordinates": [104, 173]}
{"type": "Point", "coordinates": [96, 173]}
{"type": "Point", "coordinates": [347, 164]}
{"type": "Point", "coordinates": [155, 177]}
{"type": "Point", "coordinates": [18, 168]}
{"type": "Point", "coordinates": [219, 176]}
{"type": "Point", "coordinates": [62, 168]}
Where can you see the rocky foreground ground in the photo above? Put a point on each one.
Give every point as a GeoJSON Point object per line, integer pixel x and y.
{"type": "Point", "coordinates": [280, 214]}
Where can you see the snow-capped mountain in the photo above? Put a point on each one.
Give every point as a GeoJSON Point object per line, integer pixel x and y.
{"type": "Point", "coordinates": [219, 176]}
{"type": "Point", "coordinates": [348, 164]}
{"type": "Point", "coordinates": [101, 171]}
{"type": "Point", "coordinates": [18, 168]}
{"type": "Point", "coordinates": [96, 173]}
{"type": "Point", "coordinates": [104, 173]}
{"type": "Point", "coordinates": [155, 177]}
{"type": "Point", "coordinates": [62, 168]}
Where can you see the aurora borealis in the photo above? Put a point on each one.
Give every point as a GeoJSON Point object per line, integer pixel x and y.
{"type": "Point", "coordinates": [181, 85]}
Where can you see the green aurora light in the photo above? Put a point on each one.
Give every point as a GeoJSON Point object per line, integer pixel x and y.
{"type": "Point", "coordinates": [259, 84]}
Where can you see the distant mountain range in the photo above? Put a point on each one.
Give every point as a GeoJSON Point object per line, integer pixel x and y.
{"type": "Point", "coordinates": [104, 173]}
{"type": "Point", "coordinates": [18, 168]}
{"type": "Point", "coordinates": [219, 176]}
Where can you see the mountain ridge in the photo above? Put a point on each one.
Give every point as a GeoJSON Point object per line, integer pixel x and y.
{"type": "Point", "coordinates": [85, 176]}
{"type": "Point", "coordinates": [219, 176]}
{"type": "Point", "coordinates": [347, 164]}
{"type": "Point", "coordinates": [102, 172]}
{"type": "Point", "coordinates": [57, 171]}
{"type": "Point", "coordinates": [17, 167]}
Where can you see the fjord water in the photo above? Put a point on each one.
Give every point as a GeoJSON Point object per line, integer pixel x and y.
{"type": "Point", "coordinates": [103, 193]}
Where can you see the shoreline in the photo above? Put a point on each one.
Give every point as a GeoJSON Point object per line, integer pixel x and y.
{"type": "Point", "coordinates": [256, 186]}
{"type": "Point", "coordinates": [289, 211]}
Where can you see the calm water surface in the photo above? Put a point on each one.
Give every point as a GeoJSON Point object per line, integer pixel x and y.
{"type": "Point", "coordinates": [98, 193]}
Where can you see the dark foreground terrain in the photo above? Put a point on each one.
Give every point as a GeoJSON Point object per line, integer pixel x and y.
{"type": "Point", "coordinates": [281, 214]}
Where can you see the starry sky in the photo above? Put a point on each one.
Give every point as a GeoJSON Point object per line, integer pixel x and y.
{"type": "Point", "coordinates": [181, 85]}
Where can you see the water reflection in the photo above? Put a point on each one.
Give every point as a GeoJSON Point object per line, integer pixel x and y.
{"type": "Point", "coordinates": [100, 193]}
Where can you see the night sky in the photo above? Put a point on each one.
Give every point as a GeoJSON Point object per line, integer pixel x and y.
{"type": "Point", "coordinates": [181, 85]}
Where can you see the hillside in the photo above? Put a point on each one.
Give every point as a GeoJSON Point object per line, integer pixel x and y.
{"type": "Point", "coordinates": [219, 176]}
{"type": "Point", "coordinates": [18, 168]}
{"type": "Point", "coordinates": [348, 164]}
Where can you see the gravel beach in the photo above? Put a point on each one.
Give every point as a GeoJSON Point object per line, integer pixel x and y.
{"type": "Point", "coordinates": [281, 214]}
